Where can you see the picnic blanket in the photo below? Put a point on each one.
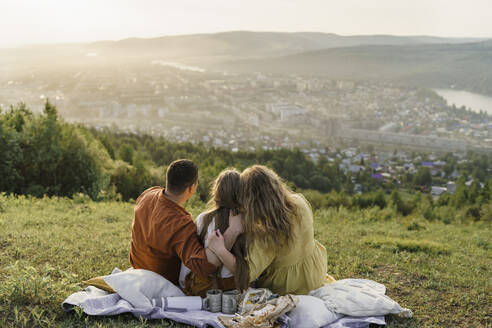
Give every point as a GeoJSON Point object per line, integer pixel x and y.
{"type": "Point", "coordinates": [95, 301]}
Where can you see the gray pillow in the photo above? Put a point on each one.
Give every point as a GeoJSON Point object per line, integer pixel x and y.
{"type": "Point", "coordinates": [358, 297]}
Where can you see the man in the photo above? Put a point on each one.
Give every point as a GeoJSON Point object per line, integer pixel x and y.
{"type": "Point", "coordinates": [163, 232]}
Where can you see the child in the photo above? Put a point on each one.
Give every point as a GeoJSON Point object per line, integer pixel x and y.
{"type": "Point", "coordinates": [223, 200]}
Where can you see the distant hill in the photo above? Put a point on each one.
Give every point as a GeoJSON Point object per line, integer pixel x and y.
{"type": "Point", "coordinates": [433, 65]}
{"type": "Point", "coordinates": [422, 60]}
{"type": "Point", "coordinates": [245, 44]}
{"type": "Point", "coordinates": [216, 47]}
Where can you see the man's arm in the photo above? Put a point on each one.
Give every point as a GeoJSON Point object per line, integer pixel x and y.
{"type": "Point", "coordinates": [191, 252]}
{"type": "Point", "coordinates": [211, 257]}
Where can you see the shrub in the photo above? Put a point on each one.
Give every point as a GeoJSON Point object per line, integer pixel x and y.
{"type": "Point", "coordinates": [486, 212]}
{"type": "Point", "coordinates": [414, 226]}
{"type": "Point", "coordinates": [473, 212]}
{"type": "Point", "coordinates": [315, 198]}
{"type": "Point", "coordinates": [338, 199]}
{"type": "Point", "coordinates": [369, 200]}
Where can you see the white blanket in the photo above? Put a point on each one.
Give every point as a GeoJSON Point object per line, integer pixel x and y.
{"type": "Point", "coordinates": [95, 301]}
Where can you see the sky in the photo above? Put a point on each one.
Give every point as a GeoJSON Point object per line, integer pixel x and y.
{"type": "Point", "coordinates": [66, 21]}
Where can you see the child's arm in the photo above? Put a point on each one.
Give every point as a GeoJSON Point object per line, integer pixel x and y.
{"type": "Point", "coordinates": [217, 245]}
{"type": "Point", "coordinates": [212, 257]}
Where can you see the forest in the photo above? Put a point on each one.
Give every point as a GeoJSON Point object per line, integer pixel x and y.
{"type": "Point", "coordinates": [42, 155]}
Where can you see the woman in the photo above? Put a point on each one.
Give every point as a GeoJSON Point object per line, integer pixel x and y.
{"type": "Point", "coordinates": [223, 200]}
{"type": "Point", "coordinates": [283, 255]}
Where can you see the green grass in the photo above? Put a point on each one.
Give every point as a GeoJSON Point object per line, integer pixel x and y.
{"type": "Point", "coordinates": [48, 246]}
{"type": "Point", "coordinates": [408, 245]}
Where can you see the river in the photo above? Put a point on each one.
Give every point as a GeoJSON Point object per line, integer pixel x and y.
{"type": "Point", "coordinates": [178, 65]}
{"type": "Point", "coordinates": [474, 101]}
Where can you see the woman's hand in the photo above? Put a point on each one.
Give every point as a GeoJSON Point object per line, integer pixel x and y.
{"type": "Point", "coordinates": [216, 242]}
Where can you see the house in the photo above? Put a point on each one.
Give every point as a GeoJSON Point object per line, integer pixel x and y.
{"type": "Point", "coordinates": [451, 186]}
{"type": "Point", "coordinates": [386, 175]}
{"type": "Point", "coordinates": [438, 191]}
{"type": "Point", "coordinates": [355, 168]}
{"type": "Point", "coordinates": [375, 166]}
{"type": "Point", "coordinates": [454, 175]}
{"type": "Point", "coordinates": [377, 176]}
{"type": "Point", "coordinates": [439, 163]}
{"type": "Point", "coordinates": [409, 166]}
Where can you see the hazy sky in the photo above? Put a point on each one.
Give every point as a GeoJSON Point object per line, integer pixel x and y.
{"type": "Point", "coordinates": [57, 21]}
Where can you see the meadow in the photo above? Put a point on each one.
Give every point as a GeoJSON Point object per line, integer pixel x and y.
{"type": "Point", "coordinates": [440, 270]}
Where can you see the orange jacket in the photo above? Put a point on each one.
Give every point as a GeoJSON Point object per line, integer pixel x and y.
{"type": "Point", "coordinates": [163, 236]}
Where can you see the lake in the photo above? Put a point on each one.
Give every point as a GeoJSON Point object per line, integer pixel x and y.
{"type": "Point", "coordinates": [474, 101]}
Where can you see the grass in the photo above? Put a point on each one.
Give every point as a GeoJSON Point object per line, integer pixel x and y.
{"type": "Point", "coordinates": [48, 246]}
{"type": "Point", "coordinates": [408, 245]}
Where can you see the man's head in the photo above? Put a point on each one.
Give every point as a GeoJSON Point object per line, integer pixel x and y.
{"type": "Point", "coordinates": [182, 177]}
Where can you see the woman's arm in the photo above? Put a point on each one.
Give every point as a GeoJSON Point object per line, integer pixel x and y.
{"type": "Point", "coordinates": [217, 245]}
{"type": "Point", "coordinates": [234, 230]}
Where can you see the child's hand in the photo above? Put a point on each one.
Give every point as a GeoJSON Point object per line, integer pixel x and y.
{"type": "Point", "coordinates": [216, 242]}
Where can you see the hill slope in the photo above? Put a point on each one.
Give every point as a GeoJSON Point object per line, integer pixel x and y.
{"type": "Point", "coordinates": [429, 64]}
{"type": "Point", "coordinates": [246, 44]}
{"type": "Point", "coordinates": [225, 45]}
{"type": "Point", "coordinates": [48, 246]}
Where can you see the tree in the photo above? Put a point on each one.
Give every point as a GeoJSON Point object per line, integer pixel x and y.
{"type": "Point", "coordinates": [380, 199]}
{"type": "Point", "coordinates": [423, 177]}
{"type": "Point", "coordinates": [460, 196]}
{"type": "Point", "coordinates": [474, 192]}
{"type": "Point", "coordinates": [104, 140]}
{"type": "Point", "coordinates": [348, 185]}
{"type": "Point", "coordinates": [41, 154]}
{"type": "Point", "coordinates": [78, 170]}
{"type": "Point", "coordinates": [125, 153]}
{"type": "Point", "coordinates": [397, 202]}
{"type": "Point", "coordinates": [11, 157]}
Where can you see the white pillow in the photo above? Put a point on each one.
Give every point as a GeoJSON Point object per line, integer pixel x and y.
{"type": "Point", "coordinates": [311, 312]}
{"type": "Point", "coordinates": [363, 283]}
{"type": "Point", "coordinates": [356, 297]}
{"type": "Point", "coordinates": [138, 286]}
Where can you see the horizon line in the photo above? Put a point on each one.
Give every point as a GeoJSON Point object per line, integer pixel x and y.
{"type": "Point", "coordinates": [24, 45]}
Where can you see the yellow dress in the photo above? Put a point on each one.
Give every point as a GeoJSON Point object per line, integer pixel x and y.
{"type": "Point", "coordinates": [296, 269]}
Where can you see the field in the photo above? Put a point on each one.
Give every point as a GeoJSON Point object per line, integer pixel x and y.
{"type": "Point", "coordinates": [48, 246]}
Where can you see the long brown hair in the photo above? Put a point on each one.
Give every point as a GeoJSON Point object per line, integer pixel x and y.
{"type": "Point", "coordinates": [223, 199]}
{"type": "Point", "coordinates": [268, 206]}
